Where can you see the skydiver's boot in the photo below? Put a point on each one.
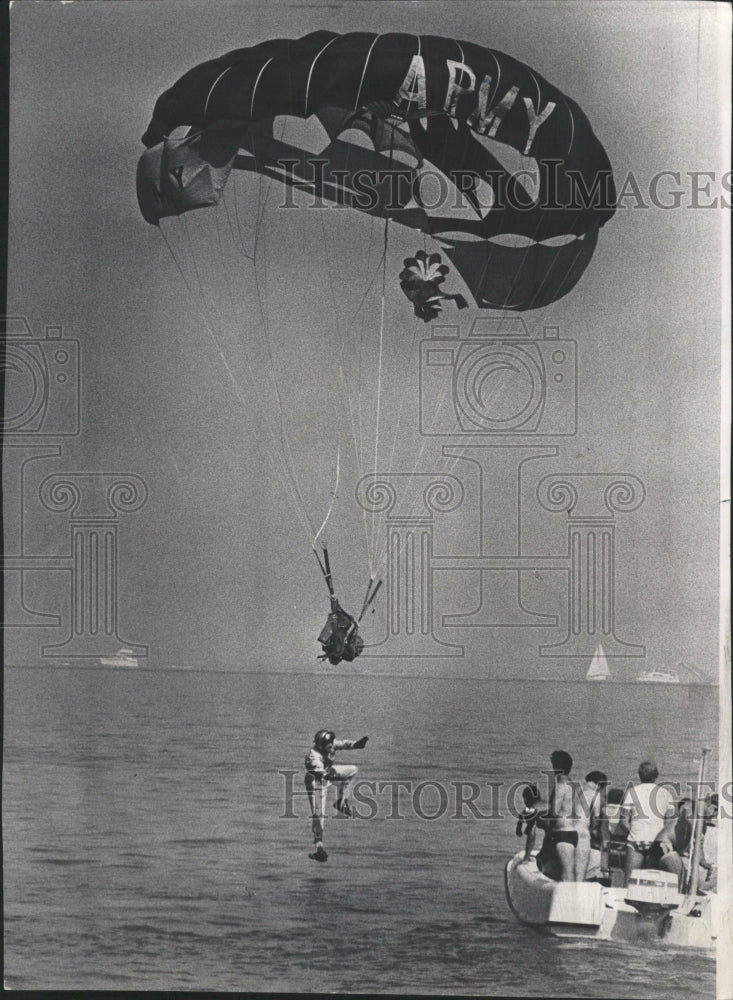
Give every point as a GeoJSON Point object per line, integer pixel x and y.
{"type": "Point", "coordinates": [319, 854]}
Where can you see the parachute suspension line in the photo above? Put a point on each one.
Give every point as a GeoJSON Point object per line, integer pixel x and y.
{"type": "Point", "coordinates": [355, 419]}
{"type": "Point", "coordinates": [373, 546]}
{"type": "Point", "coordinates": [260, 237]}
{"type": "Point", "coordinates": [442, 402]}
{"type": "Point", "coordinates": [340, 348]}
{"type": "Point", "coordinates": [262, 202]}
{"type": "Point", "coordinates": [371, 593]}
{"type": "Point", "coordinates": [382, 549]}
{"type": "Point", "coordinates": [184, 221]}
{"type": "Point", "coordinates": [325, 569]}
{"type": "Point", "coordinates": [334, 494]}
{"type": "Point", "coordinates": [260, 214]}
{"type": "Point", "coordinates": [300, 509]}
{"type": "Point", "coordinates": [361, 352]}
{"type": "Point", "coordinates": [237, 237]}
{"type": "Point", "coordinates": [361, 458]}
{"type": "Point", "coordinates": [293, 485]}
{"type": "Point", "coordinates": [379, 381]}
{"type": "Point", "coordinates": [176, 261]}
{"type": "Point", "coordinates": [284, 441]}
{"type": "Point", "coordinates": [253, 259]}
{"type": "Point", "coordinates": [222, 258]}
{"type": "Point", "coordinates": [567, 271]}
{"type": "Point", "coordinates": [292, 482]}
{"type": "Point", "coordinates": [363, 340]}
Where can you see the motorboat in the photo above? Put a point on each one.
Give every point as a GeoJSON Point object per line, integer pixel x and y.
{"type": "Point", "coordinates": [658, 677]}
{"type": "Point", "coordinates": [122, 658]}
{"type": "Point", "coordinates": [651, 907]}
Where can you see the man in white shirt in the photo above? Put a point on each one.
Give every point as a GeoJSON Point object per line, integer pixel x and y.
{"type": "Point", "coordinates": [644, 809]}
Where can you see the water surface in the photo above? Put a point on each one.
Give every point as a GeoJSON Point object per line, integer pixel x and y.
{"type": "Point", "coordinates": [146, 845]}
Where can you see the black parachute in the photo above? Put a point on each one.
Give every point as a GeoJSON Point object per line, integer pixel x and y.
{"type": "Point", "coordinates": [534, 182]}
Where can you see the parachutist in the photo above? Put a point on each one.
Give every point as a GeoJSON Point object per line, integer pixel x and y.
{"type": "Point", "coordinates": [320, 772]}
{"type": "Point", "coordinates": [420, 281]}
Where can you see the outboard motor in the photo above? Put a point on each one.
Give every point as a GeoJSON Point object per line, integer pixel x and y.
{"type": "Point", "coordinates": [653, 892]}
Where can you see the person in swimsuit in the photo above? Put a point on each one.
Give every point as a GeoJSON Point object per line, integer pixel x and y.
{"type": "Point", "coordinates": [571, 842]}
{"type": "Point", "coordinates": [645, 810]}
{"type": "Point", "coordinates": [676, 837]}
{"type": "Point", "coordinates": [592, 794]}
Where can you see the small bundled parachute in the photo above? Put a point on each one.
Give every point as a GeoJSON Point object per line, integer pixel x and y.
{"type": "Point", "coordinates": [340, 637]}
{"type": "Point", "coordinates": [420, 282]}
{"type": "Point", "coordinates": [464, 143]}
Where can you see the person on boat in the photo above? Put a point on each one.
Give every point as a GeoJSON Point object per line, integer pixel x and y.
{"type": "Point", "coordinates": [535, 817]}
{"type": "Point", "coordinates": [614, 835]}
{"type": "Point", "coordinates": [570, 828]}
{"type": "Point", "coordinates": [527, 821]}
{"type": "Point", "coordinates": [675, 839]}
{"type": "Point", "coordinates": [320, 773]}
{"type": "Point", "coordinates": [645, 809]}
{"type": "Point", "coordinates": [710, 842]}
{"type": "Point", "coordinates": [593, 805]}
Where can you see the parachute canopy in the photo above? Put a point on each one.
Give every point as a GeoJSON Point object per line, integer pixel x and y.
{"type": "Point", "coordinates": [465, 143]}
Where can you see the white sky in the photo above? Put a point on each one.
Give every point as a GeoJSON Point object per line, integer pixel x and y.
{"type": "Point", "coordinates": [216, 563]}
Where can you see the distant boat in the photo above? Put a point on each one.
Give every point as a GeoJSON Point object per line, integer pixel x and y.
{"type": "Point", "coordinates": [598, 669]}
{"type": "Point", "coordinates": [122, 658]}
{"type": "Point", "coordinates": [658, 677]}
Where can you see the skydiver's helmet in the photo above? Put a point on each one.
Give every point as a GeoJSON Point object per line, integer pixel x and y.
{"type": "Point", "coordinates": [322, 738]}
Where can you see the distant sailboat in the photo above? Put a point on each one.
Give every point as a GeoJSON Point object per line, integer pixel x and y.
{"type": "Point", "coordinates": [598, 669]}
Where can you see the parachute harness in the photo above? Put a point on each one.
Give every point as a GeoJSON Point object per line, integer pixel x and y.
{"type": "Point", "coordinates": [340, 637]}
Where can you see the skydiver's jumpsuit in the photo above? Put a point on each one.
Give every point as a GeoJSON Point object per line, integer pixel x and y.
{"type": "Point", "coordinates": [320, 772]}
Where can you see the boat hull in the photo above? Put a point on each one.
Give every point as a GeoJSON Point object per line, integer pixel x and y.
{"type": "Point", "coordinates": [590, 910]}
{"type": "Point", "coordinates": [122, 658]}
